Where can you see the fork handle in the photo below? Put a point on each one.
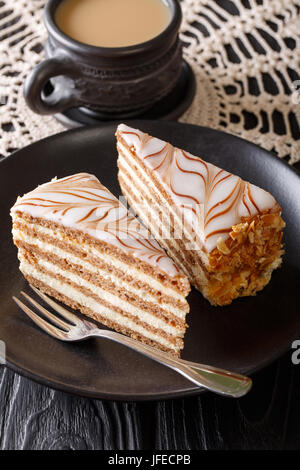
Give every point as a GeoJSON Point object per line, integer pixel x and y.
{"type": "Point", "coordinates": [211, 378]}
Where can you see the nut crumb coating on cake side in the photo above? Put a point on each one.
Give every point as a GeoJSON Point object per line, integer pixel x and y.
{"type": "Point", "coordinates": [224, 233]}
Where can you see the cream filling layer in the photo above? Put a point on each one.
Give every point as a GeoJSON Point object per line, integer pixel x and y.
{"type": "Point", "coordinates": [88, 302]}
{"type": "Point", "coordinates": [198, 273]}
{"type": "Point", "coordinates": [151, 211]}
{"type": "Point", "coordinates": [168, 246]}
{"type": "Point", "coordinates": [151, 184]}
{"type": "Point", "coordinates": [125, 268]}
{"type": "Point", "coordinates": [52, 249]}
{"type": "Point", "coordinates": [111, 298]}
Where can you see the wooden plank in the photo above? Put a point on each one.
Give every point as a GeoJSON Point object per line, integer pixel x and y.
{"type": "Point", "coordinates": [35, 417]}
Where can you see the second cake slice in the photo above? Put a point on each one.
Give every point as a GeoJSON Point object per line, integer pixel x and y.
{"type": "Point", "coordinates": [223, 232]}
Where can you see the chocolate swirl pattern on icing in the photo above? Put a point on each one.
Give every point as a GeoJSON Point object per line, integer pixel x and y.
{"type": "Point", "coordinates": [81, 202]}
{"type": "Point", "coordinates": [211, 199]}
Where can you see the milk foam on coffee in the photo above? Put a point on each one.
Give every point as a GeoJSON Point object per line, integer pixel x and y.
{"type": "Point", "coordinates": [112, 23]}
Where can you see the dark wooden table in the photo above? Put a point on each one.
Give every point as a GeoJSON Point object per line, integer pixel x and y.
{"type": "Point", "coordinates": [35, 417]}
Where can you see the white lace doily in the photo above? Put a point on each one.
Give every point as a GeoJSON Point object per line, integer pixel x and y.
{"type": "Point", "coordinates": [245, 55]}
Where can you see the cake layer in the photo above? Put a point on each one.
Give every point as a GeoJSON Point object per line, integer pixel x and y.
{"type": "Point", "coordinates": [97, 251]}
{"type": "Point", "coordinates": [110, 290]}
{"type": "Point", "coordinates": [162, 326]}
{"type": "Point", "coordinates": [165, 221]}
{"type": "Point", "coordinates": [56, 242]}
{"type": "Point", "coordinates": [82, 204]}
{"type": "Point", "coordinates": [32, 265]}
{"type": "Point", "coordinates": [208, 199]}
{"type": "Point", "coordinates": [77, 243]}
{"type": "Point", "coordinates": [224, 233]}
{"type": "Point", "coordinates": [190, 261]}
{"type": "Point", "coordinates": [99, 312]}
{"type": "Point", "coordinates": [123, 291]}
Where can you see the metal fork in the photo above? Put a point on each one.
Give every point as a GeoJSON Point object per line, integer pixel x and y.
{"type": "Point", "coordinates": [76, 329]}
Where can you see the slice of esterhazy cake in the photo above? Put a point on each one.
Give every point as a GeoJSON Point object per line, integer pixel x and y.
{"type": "Point", "coordinates": [223, 232]}
{"type": "Point", "coordinates": [79, 244]}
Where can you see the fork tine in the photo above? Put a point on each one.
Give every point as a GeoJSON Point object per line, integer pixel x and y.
{"type": "Point", "coordinates": [52, 330]}
{"type": "Point", "coordinates": [54, 318]}
{"type": "Point", "coordinates": [63, 311]}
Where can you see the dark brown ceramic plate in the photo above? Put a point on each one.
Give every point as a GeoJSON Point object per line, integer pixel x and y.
{"type": "Point", "coordinates": [242, 337]}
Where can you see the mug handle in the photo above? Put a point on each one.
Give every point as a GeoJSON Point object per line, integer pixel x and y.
{"type": "Point", "coordinates": [61, 98]}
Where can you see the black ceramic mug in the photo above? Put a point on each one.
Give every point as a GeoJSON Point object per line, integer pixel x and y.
{"type": "Point", "coordinates": [114, 81]}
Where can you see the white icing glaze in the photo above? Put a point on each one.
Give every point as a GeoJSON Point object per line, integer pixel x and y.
{"type": "Point", "coordinates": [211, 199]}
{"type": "Point", "coordinates": [82, 203]}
